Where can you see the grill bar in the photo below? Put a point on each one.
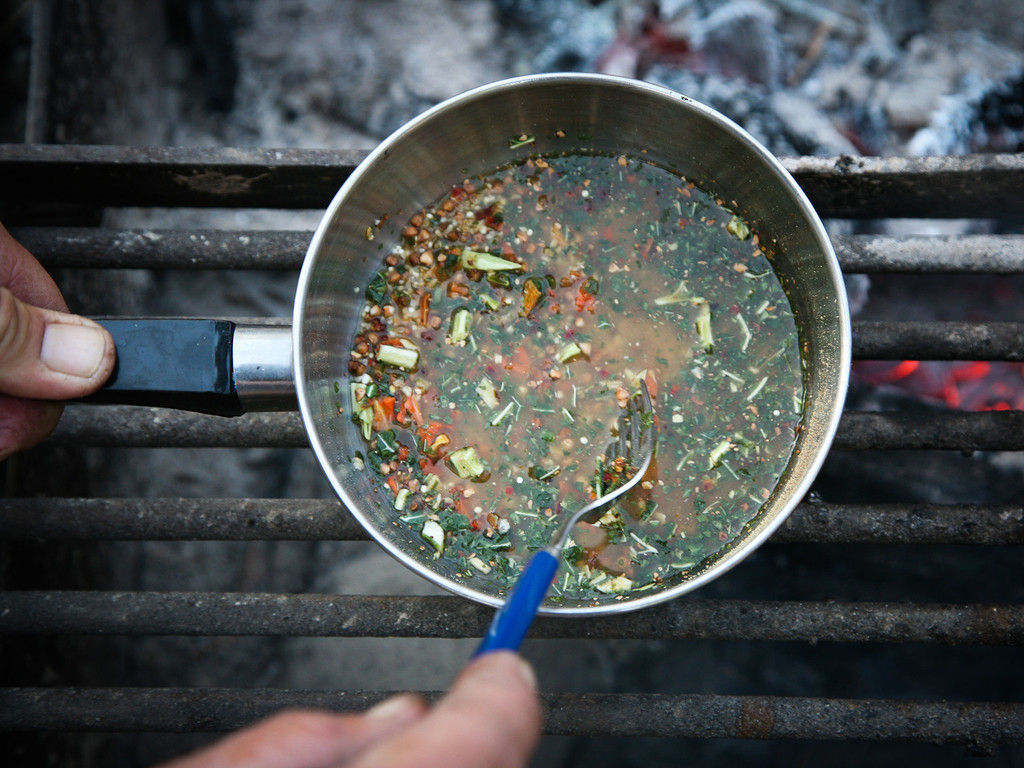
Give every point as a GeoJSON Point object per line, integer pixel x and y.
{"type": "Point", "coordinates": [990, 430]}
{"type": "Point", "coordinates": [863, 187]}
{"type": "Point", "coordinates": [254, 614]}
{"type": "Point", "coordinates": [222, 177]}
{"type": "Point", "coordinates": [187, 519]}
{"type": "Point", "coordinates": [133, 427]}
{"type": "Point", "coordinates": [84, 247]}
{"type": "Point", "coordinates": [979, 725]}
{"type": "Point", "coordinates": [91, 248]}
{"type": "Point", "coordinates": [938, 341]}
{"type": "Point", "coordinates": [859, 430]}
{"type": "Point", "coordinates": [916, 187]}
{"type": "Point", "coordinates": [993, 254]}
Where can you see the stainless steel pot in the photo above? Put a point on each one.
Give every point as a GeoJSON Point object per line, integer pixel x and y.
{"type": "Point", "coordinates": [470, 134]}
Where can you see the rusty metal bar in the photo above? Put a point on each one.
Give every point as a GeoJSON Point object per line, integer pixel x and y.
{"type": "Point", "coordinates": [96, 248]}
{"type": "Point", "coordinates": [188, 519]}
{"type": "Point", "coordinates": [83, 247]}
{"type": "Point", "coordinates": [859, 430]}
{"type": "Point", "coordinates": [992, 254]}
{"type": "Point", "coordinates": [279, 615]}
{"type": "Point", "coordinates": [980, 186]}
{"type": "Point", "coordinates": [938, 340]}
{"type": "Point", "coordinates": [981, 726]}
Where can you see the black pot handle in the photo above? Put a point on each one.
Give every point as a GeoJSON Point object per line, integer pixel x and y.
{"type": "Point", "coordinates": [208, 366]}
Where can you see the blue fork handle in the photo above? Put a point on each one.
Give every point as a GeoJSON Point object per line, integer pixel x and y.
{"type": "Point", "coordinates": [513, 620]}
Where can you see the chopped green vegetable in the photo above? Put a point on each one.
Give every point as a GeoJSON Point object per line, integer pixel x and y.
{"type": "Point", "coordinates": [538, 472]}
{"type": "Point", "coordinates": [499, 280]}
{"type": "Point", "coordinates": [521, 141]}
{"type": "Point", "coordinates": [569, 352]}
{"type": "Point", "coordinates": [717, 453]}
{"type": "Point", "coordinates": [433, 534]}
{"type": "Point", "coordinates": [501, 416]}
{"type": "Point", "coordinates": [466, 463]}
{"type": "Point", "coordinates": [486, 262]}
{"type": "Point", "coordinates": [377, 290]}
{"type": "Point", "coordinates": [400, 357]}
{"type": "Point", "coordinates": [738, 228]}
{"type": "Point", "coordinates": [678, 296]}
{"type": "Point", "coordinates": [487, 392]}
{"type": "Point", "coordinates": [757, 389]}
{"type": "Point", "coordinates": [413, 518]}
{"type": "Point", "coordinates": [401, 498]}
{"type": "Point", "coordinates": [365, 417]}
{"type": "Point", "coordinates": [747, 336]}
{"type": "Point", "coordinates": [461, 322]}
{"type": "Point", "coordinates": [704, 327]}
{"type": "Point", "coordinates": [385, 443]}
{"type": "Point", "coordinates": [618, 585]}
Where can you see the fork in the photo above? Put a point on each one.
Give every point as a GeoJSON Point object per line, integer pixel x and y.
{"type": "Point", "coordinates": [637, 434]}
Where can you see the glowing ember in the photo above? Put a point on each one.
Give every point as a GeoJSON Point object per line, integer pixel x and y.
{"type": "Point", "coordinates": [964, 385]}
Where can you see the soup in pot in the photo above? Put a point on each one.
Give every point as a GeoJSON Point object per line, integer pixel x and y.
{"type": "Point", "coordinates": [513, 321]}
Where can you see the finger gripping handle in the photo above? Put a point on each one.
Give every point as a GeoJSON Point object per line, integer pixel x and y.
{"type": "Point", "coordinates": [513, 620]}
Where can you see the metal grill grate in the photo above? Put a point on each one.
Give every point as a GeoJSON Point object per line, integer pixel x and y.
{"type": "Point", "coordinates": [982, 187]}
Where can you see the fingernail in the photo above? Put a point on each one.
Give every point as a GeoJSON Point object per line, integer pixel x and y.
{"type": "Point", "coordinates": [76, 350]}
{"type": "Point", "coordinates": [403, 706]}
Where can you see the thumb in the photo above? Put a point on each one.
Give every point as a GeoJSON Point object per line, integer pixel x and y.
{"type": "Point", "coordinates": [48, 355]}
{"type": "Point", "coordinates": [491, 718]}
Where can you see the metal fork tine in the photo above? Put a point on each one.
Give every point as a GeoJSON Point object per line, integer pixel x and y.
{"type": "Point", "coordinates": [623, 430]}
{"type": "Point", "coordinates": [635, 441]}
{"type": "Point", "coordinates": [634, 425]}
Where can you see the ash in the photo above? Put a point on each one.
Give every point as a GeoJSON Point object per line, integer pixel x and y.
{"type": "Point", "coordinates": [843, 77]}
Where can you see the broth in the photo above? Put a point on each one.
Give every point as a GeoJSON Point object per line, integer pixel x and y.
{"type": "Point", "coordinates": [509, 326]}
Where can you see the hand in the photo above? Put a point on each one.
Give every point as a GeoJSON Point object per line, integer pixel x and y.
{"type": "Point", "coordinates": [489, 719]}
{"type": "Point", "coordinates": [46, 355]}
